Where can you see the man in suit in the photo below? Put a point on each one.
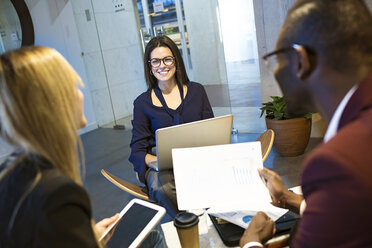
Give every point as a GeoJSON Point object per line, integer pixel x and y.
{"type": "Point", "coordinates": [324, 64]}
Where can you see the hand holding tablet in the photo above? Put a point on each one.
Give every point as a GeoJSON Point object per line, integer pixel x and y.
{"type": "Point", "coordinates": [135, 222]}
{"type": "Point", "coordinates": [102, 226]}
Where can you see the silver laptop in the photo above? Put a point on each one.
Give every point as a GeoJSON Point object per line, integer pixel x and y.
{"type": "Point", "coordinates": [213, 131]}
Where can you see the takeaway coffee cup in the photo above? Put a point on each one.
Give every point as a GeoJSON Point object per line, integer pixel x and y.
{"type": "Point", "coordinates": [187, 229]}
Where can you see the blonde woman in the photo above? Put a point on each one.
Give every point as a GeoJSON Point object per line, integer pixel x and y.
{"type": "Point", "coordinates": [42, 201]}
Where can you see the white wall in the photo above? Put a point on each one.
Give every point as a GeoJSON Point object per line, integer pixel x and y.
{"type": "Point", "coordinates": [112, 56]}
{"type": "Point", "coordinates": [269, 16]}
{"type": "Point", "coordinates": [54, 26]}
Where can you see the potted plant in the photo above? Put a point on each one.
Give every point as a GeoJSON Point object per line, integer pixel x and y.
{"type": "Point", "coordinates": [291, 134]}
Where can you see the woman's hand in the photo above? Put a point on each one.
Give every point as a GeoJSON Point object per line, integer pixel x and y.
{"type": "Point", "coordinates": [150, 158]}
{"type": "Point", "coordinates": [102, 226]}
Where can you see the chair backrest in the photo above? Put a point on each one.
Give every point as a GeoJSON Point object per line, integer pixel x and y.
{"type": "Point", "coordinates": [267, 140]}
{"type": "Point", "coordinates": [126, 186]}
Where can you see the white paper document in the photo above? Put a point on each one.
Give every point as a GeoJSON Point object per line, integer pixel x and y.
{"type": "Point", "coordinates": [243, 217]}
{"type": "Point", "coordinates": [218, 176]}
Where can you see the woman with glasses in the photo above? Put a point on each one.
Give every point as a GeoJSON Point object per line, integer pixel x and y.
{"type": "Point", "coordinates": [171, 99]}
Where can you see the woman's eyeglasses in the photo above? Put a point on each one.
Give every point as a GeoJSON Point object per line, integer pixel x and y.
{"type": "Point", "coordinates": [168, 61]}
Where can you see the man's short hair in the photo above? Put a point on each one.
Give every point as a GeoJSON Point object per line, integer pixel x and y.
{"type": "Point", "coordinates": [340, 31]}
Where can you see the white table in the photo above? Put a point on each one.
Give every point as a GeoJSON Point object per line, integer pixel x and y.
{"type": "Point", "coordinates": [208, 235]}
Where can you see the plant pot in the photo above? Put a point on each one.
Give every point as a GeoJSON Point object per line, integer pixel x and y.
{"type": "Point", "coordinates": [291, 136]}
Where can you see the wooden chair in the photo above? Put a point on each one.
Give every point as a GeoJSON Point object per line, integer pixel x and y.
{"type": "Point", "coordinates": [266, 139]}
{"type": "Point", "coordinates": [131, 188]}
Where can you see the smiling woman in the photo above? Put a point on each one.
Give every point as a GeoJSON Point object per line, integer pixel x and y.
{"type": "Point", "coordinates": [16, 28]}
{"type": "Point", "coordinates": [171, 99]}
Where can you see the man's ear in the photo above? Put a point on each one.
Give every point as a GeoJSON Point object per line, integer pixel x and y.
{"type": "Point", "coordinates": [303, 62]}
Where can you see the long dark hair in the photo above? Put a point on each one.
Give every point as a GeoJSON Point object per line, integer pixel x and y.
{"type": "Point", "coordinates": [164, 41]}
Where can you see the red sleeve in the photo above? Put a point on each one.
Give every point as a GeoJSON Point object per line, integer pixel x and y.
{"type": "Point", "coordinates": [338, 206]}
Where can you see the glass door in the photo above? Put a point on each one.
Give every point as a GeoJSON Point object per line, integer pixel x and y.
{"type": "Point", "coordinates": [242, 63]}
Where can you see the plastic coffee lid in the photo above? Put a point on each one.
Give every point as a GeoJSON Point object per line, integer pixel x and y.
{"type": "Point", "coordinates": [185, 220]}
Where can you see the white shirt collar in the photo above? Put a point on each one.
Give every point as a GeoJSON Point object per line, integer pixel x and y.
{"type": "Point", "coordinates": [333, 125]}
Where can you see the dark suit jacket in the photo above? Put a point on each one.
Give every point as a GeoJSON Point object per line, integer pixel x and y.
{"type": "Point", "coordinates": [337, 181]}
{"type": "Point", "coordinates": [56, 213]}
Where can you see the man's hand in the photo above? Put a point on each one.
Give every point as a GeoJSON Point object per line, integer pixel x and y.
{"type": "Point", "coordinates": [280, 195]}
{"type": "Point", "coordinates": [259, 230]}
{"type": "Point", "coordinates": [275, 185]}
{"type": "Point", "coordinates": [102, 226]}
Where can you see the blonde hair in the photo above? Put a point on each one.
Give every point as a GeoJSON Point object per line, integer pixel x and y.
{"type": "Point", "coordinates": [38, 106]}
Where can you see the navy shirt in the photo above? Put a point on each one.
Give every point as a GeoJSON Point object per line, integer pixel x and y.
{"type": "Point", "coordinates": [147, 118]}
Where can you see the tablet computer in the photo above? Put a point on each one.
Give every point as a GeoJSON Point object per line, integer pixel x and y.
{"type": "Point", "coordinates": [134, 224]}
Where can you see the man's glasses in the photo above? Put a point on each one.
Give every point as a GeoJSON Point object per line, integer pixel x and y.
{"type": "Point", "coordinates": [168, 61]}
{"type": "Point", "coordinates": [271, 59]}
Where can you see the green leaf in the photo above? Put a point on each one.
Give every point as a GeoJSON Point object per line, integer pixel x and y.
{"type": "Point", "coordinates": [262, 112]}
{"type": "Point", "coordinates": [309, 115]}
{"type": "Point", "coordinates": [278, 116]}
{"type": "Point", "coordinates": [277, 109]}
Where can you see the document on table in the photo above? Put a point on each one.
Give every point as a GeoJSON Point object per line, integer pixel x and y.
{"type": "Point", "coordinates": [217, 176]}
{"type": "Point", "coordinates": [243, 217]}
